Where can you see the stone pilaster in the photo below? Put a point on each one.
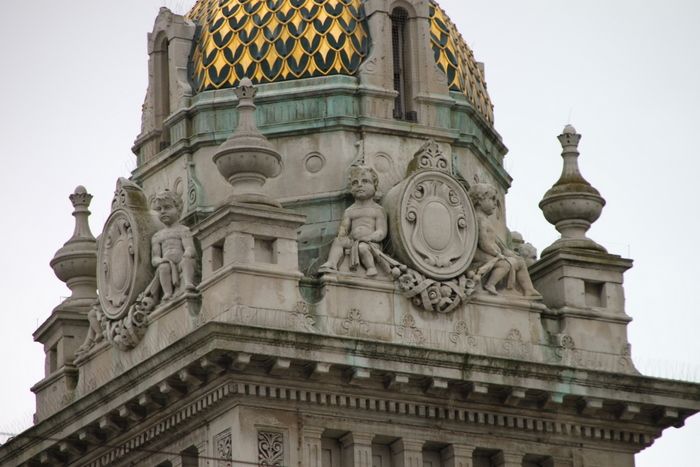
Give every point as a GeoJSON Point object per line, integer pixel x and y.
{"type": "Point", "coordinates": [357, 449]}
{"type": "Point", "coordinates": [312, 451]}
{"type": "Point", "coordinates": [169, 88]}
{"type": "Point", "coordinates": [507, 459]}
{"type": "Point", "coordinates": [428, 85]}
{"type": "Point", "coordinates": [458, 455]}
{"type": "Point", "coordinates": [407, 453]}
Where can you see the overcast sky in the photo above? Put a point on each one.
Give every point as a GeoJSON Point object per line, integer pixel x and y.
{"type": "Point", "coordinates": [625, 73]}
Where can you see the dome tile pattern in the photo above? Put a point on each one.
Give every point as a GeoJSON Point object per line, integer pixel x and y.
{"type": "Point", "coordinates": [276, 40]}
{"type": "Point", "coordinates": [454, 57]}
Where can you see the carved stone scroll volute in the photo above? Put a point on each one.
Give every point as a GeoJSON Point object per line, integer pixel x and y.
{"type": "Point", "coordinates": [432, 220]}
{"type": "Point", "coordinates": [124, 250]}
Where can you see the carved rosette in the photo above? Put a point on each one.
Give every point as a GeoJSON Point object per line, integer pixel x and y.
{"type": "Point", "coordinates": [433, 233]}
{"type": "Point", "coordinates": [124, 266]}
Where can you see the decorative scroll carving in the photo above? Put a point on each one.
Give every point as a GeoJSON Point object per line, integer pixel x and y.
{"type": "Point", "coordinates": [354, 325]}
{"type": "Point", "coordinates": [514, 345]}
{"type": "Point", "coordinates": [194, 188]}
{"type": "Point", "coordinates": [270, 449]}
{"type": "Point", "coordinates": [432, 221]}
{"type": "Point", "coordinates": [460, 330]}
{"type": "Point", "coordinates": [301, 318]}
{"type": "Point", "coordinates": [429, 157]}
{"type": "Point", "coordinates": [563, 344]}
{"type": "Point", "coordinates": [408, 330]}
{"type": "Point", "coordinates": [224, 448]}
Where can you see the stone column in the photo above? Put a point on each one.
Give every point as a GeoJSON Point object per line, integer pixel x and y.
{"type": "Point", "coordinates": [357, 449]}
{"type": "Point", "coordinates": [312, 446]}
{"type": "Point", "coordinates": [507, 459]}
{"type": "Point", "coordinates": [407, 453]}
{"type": "Point", "coordinates": [458, 455]}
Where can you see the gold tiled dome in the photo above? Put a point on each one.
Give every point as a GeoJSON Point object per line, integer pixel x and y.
{"type": "Point", "coordinates": [276, 40]}
{"type": "Point", "coordinates": [279, 40]}
{"type": "Point", "coordinates": [456, 59]}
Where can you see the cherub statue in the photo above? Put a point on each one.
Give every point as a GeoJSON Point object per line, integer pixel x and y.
{"type": "Point", "coordinates": [173, 253]}
{"type": "Point", "coordinates": [362, 227]}
{"type": "Point", "coordinates": [495, 260]}
{"type": "Point", "coordinates": [94, 335]}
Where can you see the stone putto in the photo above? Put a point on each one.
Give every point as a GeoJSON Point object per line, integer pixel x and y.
{"type": "Point", "coordinates": [173, 253]}
{"type": "Point", "coordinates": [494, 259]}
{"type": "Point", "coordinates": [363, 226]}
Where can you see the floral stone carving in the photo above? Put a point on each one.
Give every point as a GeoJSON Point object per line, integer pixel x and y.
{"type": "Point", "coordinates": [270, 449]}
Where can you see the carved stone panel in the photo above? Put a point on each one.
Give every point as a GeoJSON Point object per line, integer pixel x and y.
{"type": "Point", "coordinates": [433, 224]}
{"type": "Point", "coordinates": [224, 448]}
{"type": "Point", "coordinates": [124, 250]}
{"type": "Point", "coordinates": [270, 449]}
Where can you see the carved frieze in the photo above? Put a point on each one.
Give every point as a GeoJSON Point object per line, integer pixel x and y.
{"type": "Point", "coordinates": [440, 250]}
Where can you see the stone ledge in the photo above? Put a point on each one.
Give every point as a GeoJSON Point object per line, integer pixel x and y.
{"type": "Point", "coordinates": [454, 382]}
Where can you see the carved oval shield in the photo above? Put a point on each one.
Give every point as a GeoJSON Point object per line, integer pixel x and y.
{"type": "Point", "coordinates": [433, 225]}
{"type": "Point", "coordinates": [124, 251]}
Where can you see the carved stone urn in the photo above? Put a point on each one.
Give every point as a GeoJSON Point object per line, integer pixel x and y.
{"type": "Point", "coordinates": [572, 204]}
{"type": "Point", "coordinates": [247, 159]}
{"type": "Point", "coordinates": [76, 262]}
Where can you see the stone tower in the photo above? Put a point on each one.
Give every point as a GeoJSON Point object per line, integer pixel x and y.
{"type": "Point", "coordinates": [311, 266]}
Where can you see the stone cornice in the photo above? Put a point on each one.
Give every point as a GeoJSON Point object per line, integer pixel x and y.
{"type": "Point", "coordinates": [475, 389]}
{"type": "Point", "coordinates": [580, 257]}
{"type": "Point", "coordinates": [61, 315]}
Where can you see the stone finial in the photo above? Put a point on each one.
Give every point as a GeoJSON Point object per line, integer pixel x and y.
{"type": "Point", "coordinates": [572, 204]}
{"type": "Point", "coordinates": [247, 159]}
{"type": "Point", "coordinates": [76, 262]}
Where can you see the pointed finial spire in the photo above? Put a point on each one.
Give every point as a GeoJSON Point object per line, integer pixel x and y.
{"type": "Point", "coordinates": [76, 262]}
{"type": "Point", "coordinates": [247, 159]}
{"type": "Point", "coordinates": [572, 204]}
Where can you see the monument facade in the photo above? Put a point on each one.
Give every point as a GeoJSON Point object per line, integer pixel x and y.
{"type": "Point", "coordinates": [311, 266]}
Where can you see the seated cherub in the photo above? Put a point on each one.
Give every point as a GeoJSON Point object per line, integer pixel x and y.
{"type": "Point", "coordinates": [173, 252]}
{"type": "Point", "coordinates": [495, 260]}
{"type": "Point", "coordinates": [362, 227]}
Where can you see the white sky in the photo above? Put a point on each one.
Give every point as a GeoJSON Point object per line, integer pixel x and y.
{"type": "Point", "coordinates": [625, 73]}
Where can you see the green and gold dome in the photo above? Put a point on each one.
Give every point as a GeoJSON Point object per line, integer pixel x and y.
{"type": "Point", "coordinates": [279, 40]}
